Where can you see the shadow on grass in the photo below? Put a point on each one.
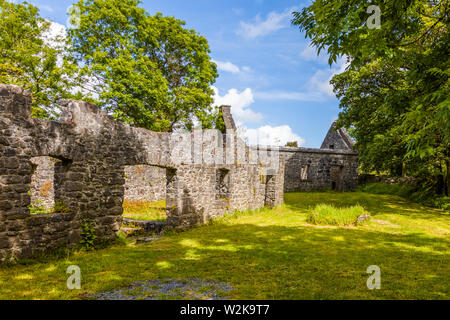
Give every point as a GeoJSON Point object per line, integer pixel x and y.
{"type": "Point", "coordinates": [260, 262]}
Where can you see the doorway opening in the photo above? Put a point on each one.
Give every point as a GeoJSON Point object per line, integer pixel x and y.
{"type": "Point", "coordinates": [336, 175]}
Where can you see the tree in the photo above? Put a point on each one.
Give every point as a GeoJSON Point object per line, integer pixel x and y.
{"type": "Point", "coordinates": [395, 92]}
{"type": "Point", "coordinates": [29, 60]}
{"type": "Point", "coordinates": [149, 71]}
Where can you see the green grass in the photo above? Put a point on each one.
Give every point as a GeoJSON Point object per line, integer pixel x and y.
{"type": "Point", "coordinates": [271, 254]}
{"type": "Point", "coordinates": [37, 208]}
{"type": "Point", "coordinates": [330, 215]}
{"type": "Point", "coordinates": [425, 197]}
{"type": "Point", "coordinates": [142, 210]}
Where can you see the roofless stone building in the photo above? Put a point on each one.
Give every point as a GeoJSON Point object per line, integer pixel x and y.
{"type": "Point", "coordinates": [88, 163]}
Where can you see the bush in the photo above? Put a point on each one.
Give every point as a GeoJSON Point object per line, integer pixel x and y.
{"type": "Point", "coordinates": [327, 214]}
{"type": "Point", "coordinates": [416, 194]}
{"type": "Point", "coordinates": [88, 237]}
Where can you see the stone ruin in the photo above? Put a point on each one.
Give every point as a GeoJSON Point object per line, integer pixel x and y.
{"type": "Point", "coordinates": [88, 163]}
{"type": "Point", "coordinates": [91, 154]}
{"type": "Point", "coordinates": [334, 166]}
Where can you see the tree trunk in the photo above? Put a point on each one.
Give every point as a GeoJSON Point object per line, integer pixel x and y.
{"type": "Point", "coordinates": [447, 191]}
{"type": "Point", "coordinates": [440, 185]}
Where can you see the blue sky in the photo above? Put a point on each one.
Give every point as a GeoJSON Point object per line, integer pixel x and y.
{"type": "Point", "coordinates": [277, 86]}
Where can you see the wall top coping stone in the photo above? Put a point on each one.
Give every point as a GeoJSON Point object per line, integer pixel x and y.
{"type": "Point", "coordinates": [313, 150]}
{"type": "Point", "coordinates": [6, 89]}
{"type": "Point", "coordinates": [82, 113]}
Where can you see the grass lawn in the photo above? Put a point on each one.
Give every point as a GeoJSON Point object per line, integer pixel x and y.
{"type": "Point", "coordinates": [141, 210]}
{"type": "Point", "coordinates": [271, 254]}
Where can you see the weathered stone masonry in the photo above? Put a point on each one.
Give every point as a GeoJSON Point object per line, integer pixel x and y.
{"type": "Point", "coordinates": [90, 163]}
{"type": "Point", "coordinates": [145, 183]}
{"type": "Point", "coordinates": [333, 166]}
{"type": "Point", "coordinates": [93, 151]}
{"type": "Point", "coordinates": [325, 169]}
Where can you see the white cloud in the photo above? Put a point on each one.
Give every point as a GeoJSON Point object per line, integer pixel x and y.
{"type": "Point", "coordinates": [227, 66]}
{"type": "Point", "coordinates": [55, 35]}
{"type": "Point", "coordinates": [238, 11]}
{"type": "Point", "coordinates": [230, 67]}
{"type": "Point", "coordinates": [264, 135]}
{"type": "Point", "coordinates": [289, 95]}
{"type": "Point", "coordinates": [320, 81]}
{"type": "Point", "coordinates": [316, 89]}
{"type": "Point", "coordinates": [288, 59]}
{"type": "Point", "coordinates": [274, 136]}
{"type": "Point", "coordinates": [274, 22]}
{"type": "Point", "coordinates": [45, 7]}
{"type": "Point", "coordinates": [309, 53]}
{"type": "Point", "coordinates": [239, 102]}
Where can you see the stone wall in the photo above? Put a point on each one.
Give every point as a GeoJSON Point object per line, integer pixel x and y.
{"type": "Point", "coordinates": [93, 151]}
{"type": "Point", "coordinates": [275, 186]}
{"type": "Point", "coordinates": [333, 166]}
{"type": "Point", "coordinates": [145, 183]}
{"type": "Point", "coordinates": [337, 139]}
{"type": "Point", "coordinates": [90, 163]}
{"type": "Point", "coordinates": [326, 169]}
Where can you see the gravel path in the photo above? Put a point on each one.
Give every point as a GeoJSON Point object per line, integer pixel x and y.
{"type": "Point", "coordinates": [190, 289]}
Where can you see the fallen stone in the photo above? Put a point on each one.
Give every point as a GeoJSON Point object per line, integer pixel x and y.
{"type": "Point", "coordinates": [147, 239]}
{"type": "Point", "coordinates": [363, 218]}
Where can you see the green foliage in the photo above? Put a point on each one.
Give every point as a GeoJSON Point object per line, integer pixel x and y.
{"type": "Point", "coordinates": [37, 208]}
{"type": "Point", "coordinates": [60, 207]}
{"type": "Point", "coordinates": [416, 194]}
{"type": "Point", "coordinates": [88, 237]}
{"type": "Point", "coordinates": [151, 71]}
{"type": "Point", "coordinates": [330, 215]}
{"type": "Point", "coordinates": [210, 118]}
{"type": "Point", "coordinates": [395, 91]}
{"type": "Point", "coordinates": [394, 189]}
{"type": "Point", "coordinates": [30, 58]}
{"type": "Point", "coordinates": [293, 144]}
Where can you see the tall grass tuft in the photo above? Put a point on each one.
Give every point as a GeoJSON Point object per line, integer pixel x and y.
{"type": "Point", "coordinates": [325, 214]}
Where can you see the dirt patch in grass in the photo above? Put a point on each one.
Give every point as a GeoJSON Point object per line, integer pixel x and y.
{"type": "Point", "coordinates": [189, 289]}
{"type": "Point", "coordinates": [386, 223]}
